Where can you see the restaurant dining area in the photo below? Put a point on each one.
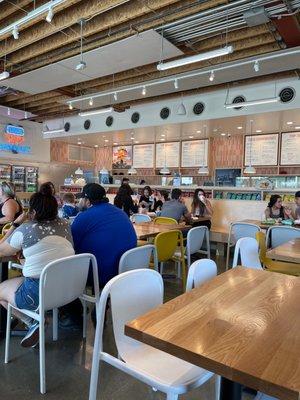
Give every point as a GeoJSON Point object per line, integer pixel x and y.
{"type": "Point", "coordinates": [150, 199]}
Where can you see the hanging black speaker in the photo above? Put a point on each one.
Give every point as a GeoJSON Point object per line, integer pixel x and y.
{"type": "Point", "coordinates": [238, 99]}
{"type": "Point", "coordinates": [164, 113]}
{"type": "Point", "coordinates": [135, 117]}
{"type": "Point", "coordinates": [87, 124]}
{"type": "Point", "coordinates": [198, 108]}
{"type": "Point", "coordinates": [67, 126]}
{"type": "Point", "coordinates": [287, 94]}
{"type": "Point", "coordinates": [109, 121]}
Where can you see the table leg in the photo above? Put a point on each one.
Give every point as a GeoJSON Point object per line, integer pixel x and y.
{"type": "Point", "coordinates": [230, 390]}
{"type": "Point", "coordinates": [3, 313]}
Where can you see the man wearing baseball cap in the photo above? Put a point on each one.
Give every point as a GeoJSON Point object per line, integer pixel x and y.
{"type": "Point", "coordinates": [103, 230]}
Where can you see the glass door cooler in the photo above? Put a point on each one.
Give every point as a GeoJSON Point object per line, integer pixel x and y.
{"type": "Point", "coordinates": [31, 181]}
{"type": "Point", "coordinates": [18, 178]}
{"type": "Point", "coordinates": [5, 173]}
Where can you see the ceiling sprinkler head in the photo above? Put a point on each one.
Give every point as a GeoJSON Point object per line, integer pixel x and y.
{"type": "Point", "coordinates": [81, 66]}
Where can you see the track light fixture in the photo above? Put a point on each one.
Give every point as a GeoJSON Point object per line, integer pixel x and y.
{"type": "Point", "coordinates": [144, 91]}
{"type": "Point", "coordinates": [4, 75]}
{"type": "Point", "coordinates": [91, 101]}
{"type": "Point", "coordinates": [15, 33]}
{"type": "Point", "coordinates": [115, 96]}
{"type": "Point", "coordinates": [211, 76]}
{"type": "Point", "coordinates": [70, 106]}
{"type": "Point", "coordinates": [50, 15]}
{"type": "Point", "coordinates": [256, 66]}
{"type": "Point", "coordinates": [176, 86]}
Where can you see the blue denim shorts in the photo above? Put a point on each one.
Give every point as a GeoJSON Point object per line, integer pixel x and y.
{"type": "Point", "coordinates": [27, 294]}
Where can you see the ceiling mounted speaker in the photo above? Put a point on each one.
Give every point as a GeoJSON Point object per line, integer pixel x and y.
{"type": "Point", "coordinates": [287, 94]}
{"type": "Point", "coordinates": [198, 108]}
{"type": "Point", "coordinates": [164, 113]}
{"type": "Point", "coordinates": [87, 124]}
{"type": "Point", "coordinates": [67, 126]}
{"type": "Point", "coordinates": [135, 117]}
{"type": "Point", "coordinates": [109, 121]}
{"type": "Point", "coordinates": [238, 99]}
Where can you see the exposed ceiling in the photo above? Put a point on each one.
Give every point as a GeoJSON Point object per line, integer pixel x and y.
{"type": "Point", "coordinates": [193, 26]}
{"type": "Point", "coordinates": [271, 122]}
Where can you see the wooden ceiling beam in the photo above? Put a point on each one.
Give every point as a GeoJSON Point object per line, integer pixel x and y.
{"type": "Point", "coordinates": [33, 39]}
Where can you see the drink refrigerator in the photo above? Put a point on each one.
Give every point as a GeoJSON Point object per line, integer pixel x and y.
{"type": "Point", "coordinates": [31, 179]}
{"type": "Point", "coordinates": [5, 173]}
{"type": "Point", "coordinates": [18, 178]}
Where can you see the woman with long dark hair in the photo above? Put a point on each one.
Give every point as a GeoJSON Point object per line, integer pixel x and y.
{"type": "Point", "coordinates": [201, 206]}
{"type": "Point", "coordinates": [43, 238]}
{"type": "Point", "coordinates": [276, 210]}
{"type": "Point", "coordinates": [124, 200]}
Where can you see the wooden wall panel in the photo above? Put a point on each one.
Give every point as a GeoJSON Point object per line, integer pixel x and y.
{"type": "Point", "coordinates": [226, 152]}
{"type": "Point", "coordinates": [59, 152]}
{"type": "Point", "coordinates": [103, 158]}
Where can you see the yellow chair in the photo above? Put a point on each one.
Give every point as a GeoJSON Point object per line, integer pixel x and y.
{"type": "Point", "coordinates": [271, 265]}
{"type": "Point", "coordinates": [166, 244]}
{"type": "Point", "coordinates": [5, 228]}
{"type": "Point", "coordinates": [165, 220]}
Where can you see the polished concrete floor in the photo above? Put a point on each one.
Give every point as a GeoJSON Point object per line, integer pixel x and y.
{"type": "Point", "coordinates": [68, 365]}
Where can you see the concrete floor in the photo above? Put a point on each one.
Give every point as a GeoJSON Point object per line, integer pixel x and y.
{"type": "Point", "coordinates": [68, 365]}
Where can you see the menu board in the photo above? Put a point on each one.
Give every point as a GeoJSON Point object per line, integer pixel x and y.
{"type": "Point", "coordinates": [122, 156]}
{"type": "Point", "coordinates": [143, 156]}
{"type": "Point", "coordinates": [194, 153]}
{"type": "Point", "coordinates": [167, 154]}
{"type": "Point", "coordinates": [290, 148]}
{"type": "Point", "coordinates": [261, 150]}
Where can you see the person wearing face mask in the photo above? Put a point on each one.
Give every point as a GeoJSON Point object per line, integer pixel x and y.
{"type": "Point", "coordinates": [201, 207]}
{"type": "Point", "coordinates": [43, 238]}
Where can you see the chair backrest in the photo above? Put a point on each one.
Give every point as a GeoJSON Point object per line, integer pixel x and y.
{"type": "Point", "coordinates": [247, 249]}
{"type": "Point", "coordinates": [64, 280]}
{"type": "Point", "coordinates": [137, 258]}
{"type": "Point", "coordinates": [165, 220]}
{"type": "Point", "coordinates": [6, 228]}
{"type": "Point", "coordinates": [195, 239]}
{"type": "Point", "coordinates": [199, 272]}
{"type": "Point", "coordinates": [239, 230]}
{"type": "Point", "coordinates": [261, 240]}
{"type": "Point", "coordinates": [131, 294]}
{"type": "Point", "coordinates": [137, 218]}
{"type": "Point", "coordinates": [166, 244]}
{"type": "Point", "coordinates": [278, 235]}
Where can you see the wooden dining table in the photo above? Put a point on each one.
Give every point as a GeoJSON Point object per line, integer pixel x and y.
{"type": "Point", "coordinates": [146, 230]}
{"type": "Point", "coordinates": [289, 251]}
{"type": "Point", "coordinates": [266, 226]}
{"type": "Point", "coordinates": [243, 325]}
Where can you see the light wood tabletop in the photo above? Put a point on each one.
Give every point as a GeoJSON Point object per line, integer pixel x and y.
{"type": "Point", "coordinates": [243, 325]}
{"type": "Point", "coordinates": [289, 251]}
{"type": "Point", "coordinates": [146, 230]}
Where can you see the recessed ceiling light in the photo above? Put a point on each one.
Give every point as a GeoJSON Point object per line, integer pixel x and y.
{"type": "Point", "coordinates": [96, 145]}
{"type": "Point", "coordinates": [136, 141]}
{"type": "Point", "coordinates": [106, 140]}
{"type": "Point", "coordinates": [191, 137]}
{"type": "Point", "coordinates": [290, 123]}
{"type": "Point", "coordinates": [132, 138]}
{"type": "Point", "coordinates": [215, 130]}
{"type": "Point", "coordinates": [162, 139]}
{"type": "Point", "coordinates": [104, 136]}
{"type": "Point", "coordinates": [258, 131]}
{"type": "Point", "coordinates": [198, 131]}
{"type": "Point", "coordinates": [223, 134]}
{"type": "Point", "coordinates": [297, 127]}
{"type": "Point", "coordinates": [239, 127]}
{"type": "Point", "coordinates": [162, 135]}
{"type": "Point", "coordinates": [115, 143]}
{"type": "Point", "coordinates": [79, 142]}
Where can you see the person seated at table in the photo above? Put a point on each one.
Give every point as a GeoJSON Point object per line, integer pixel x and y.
{"type": "Point", "coordinates": [69, 208]}
{"type": "Point", "coordinates": [125, 181]}
{"type": "Point", "coordinates": [175, 208]}
{"type": "Point", "coordinates": [201, 207]}
{"type": "Point", "coordinates": [146, 199]}
{"type": "Point", "coordinates": [43, 238]}
{"type": "Point", "coordinates": [124, 200]}
{"type": "Point", "coordinates": [276, 210]}
{"type": "Point", "coordinates": [103, 230]}
{"type": "Point", "coordinates": [10, 207]}
{"type": "Point", "coordinates": [160, 197]}
{"type": "Point", "coordinates": [296, 213]}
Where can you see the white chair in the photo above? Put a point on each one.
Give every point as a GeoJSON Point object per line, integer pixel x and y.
{"type": "Point", "coordinates": [194, 242]}
{"type": "Point", "coordinates": [277, 235]}
{"type": "Point", "coordinates": [133, 294]}
{"type": "Point", "coordinates": [61, 282]}
{"type": "Point", "coordinates": [247, 250]}
{"type": "Point", "coordinates": [200, 272]}
{"type": "Point", "coordinates": [137, 258]}
{"type": "Point", "coordinates": [237, 231]}
{"type": "Point", "coordinates": [138, 218]}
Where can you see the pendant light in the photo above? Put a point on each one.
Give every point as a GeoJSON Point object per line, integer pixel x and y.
{"type": "Point", "coordinates": [250, 169]}
{"type": "Point", "coordinates": [181, 110]}
{"type": "Point", "coordinates": [132, 171]}
{"type": "Point", "coordinates": [203, 170]}
{"type": "Point", "coordinates": [78, 171]}
{"type": "Point", "coordinates": [103, 171]}
{"type": "Point", "coordinates": [165, 170]}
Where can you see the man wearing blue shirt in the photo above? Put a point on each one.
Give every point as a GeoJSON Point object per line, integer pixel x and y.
{"type": "Point", "coordinates": [103, 230]}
